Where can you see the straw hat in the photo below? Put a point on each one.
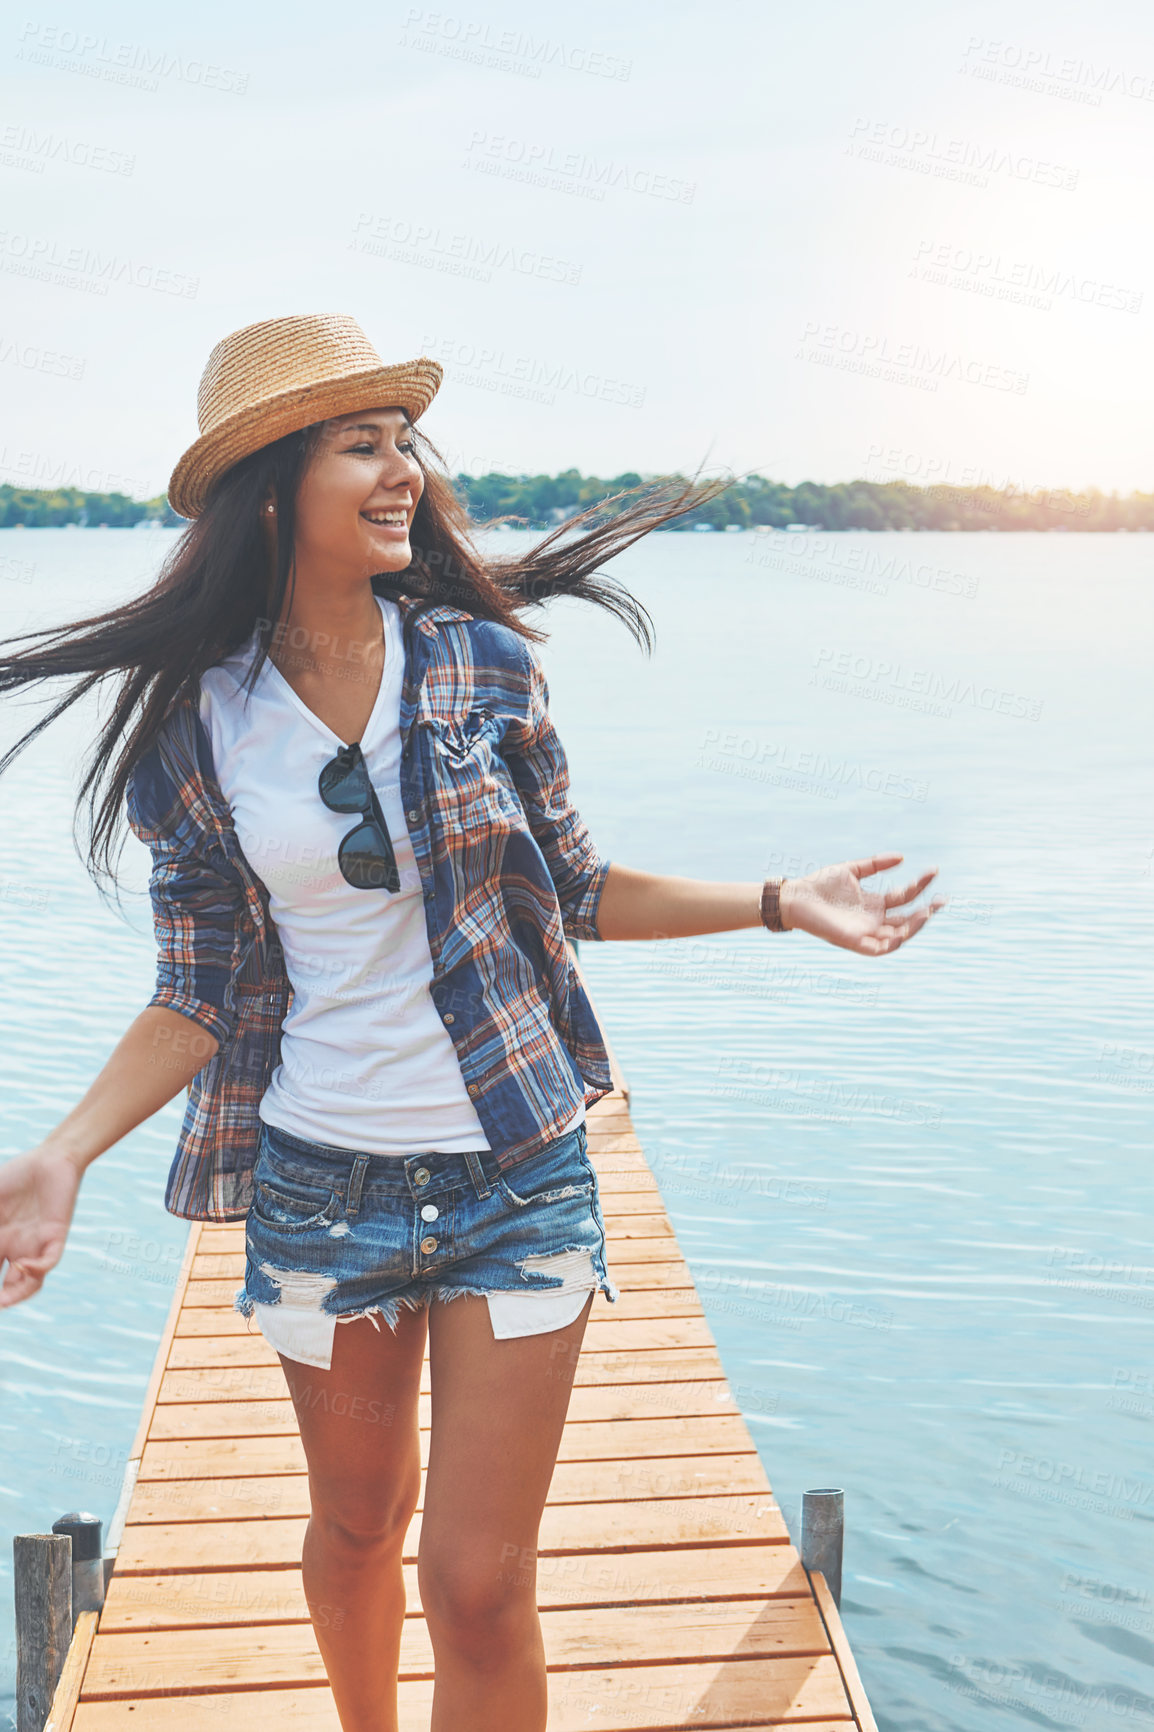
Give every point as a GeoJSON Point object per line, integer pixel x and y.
{"type": "Point", "coordinates": [273, 378]}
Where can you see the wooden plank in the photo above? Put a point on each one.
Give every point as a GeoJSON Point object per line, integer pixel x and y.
{"type": "Point", "coordinates": [617, 1155]}
{"type": "Point", "coordinates": [67, 1693]}
{"type": "Point", "coordinates": [634, 1274]}
{"type": "Point", "coordinates": [222, 1458]}
{"type": "Point", "coordinates": [842, 1652]}
{"type": "Point", "coordinates": [574, 1482]}
{"type": "Point", "coordinates": [665, 1698]}
{"type": "Point", "coordinates": [245, 1657]}
{"type": "Point", "coordinates": [603, 1527]}
{"type": "Point", "coordinates": [215, 1352]}
{"type": "Point", "coordinates": [602, 1335]}
{"type": "Point", "coordinates": [757, 1692]}
{"type": "Point", "coordinates": [226, 1597]}
{"type": "Point", "coordinates": [212, 1598]}
{"type": "Point", "coordinates": [608, 1401]}
{"type": "Point", "coordinates": [267, 1382]}
{"type": "Point", "coordinates": [172, 1324]}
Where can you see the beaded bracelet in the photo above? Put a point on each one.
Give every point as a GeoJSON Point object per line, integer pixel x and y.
{"type": "Point", "coordinates": [771, 904]}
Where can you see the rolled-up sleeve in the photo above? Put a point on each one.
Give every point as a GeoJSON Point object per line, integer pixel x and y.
{"type": "Point", "coordinates": [197, 906]}
{"type": "Point", "coordinates": [539, 768]}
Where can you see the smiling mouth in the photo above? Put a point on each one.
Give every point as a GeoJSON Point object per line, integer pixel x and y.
{"type": "Point", "coordinates": [387, 519]}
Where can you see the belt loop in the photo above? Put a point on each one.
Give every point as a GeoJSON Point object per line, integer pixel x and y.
{"type": "Point", "coordinates": [477, 1174]}
{"type": "Point", "coordinates": [356, 1182]}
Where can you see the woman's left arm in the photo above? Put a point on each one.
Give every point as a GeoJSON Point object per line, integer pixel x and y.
{"type": "Point", "coordinates": [829, 904]}
{"type": "Point", "coordinates": [603, 899]}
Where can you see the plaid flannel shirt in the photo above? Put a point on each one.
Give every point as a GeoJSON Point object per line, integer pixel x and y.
{"type": "Point", "coordinates": [509, 873]}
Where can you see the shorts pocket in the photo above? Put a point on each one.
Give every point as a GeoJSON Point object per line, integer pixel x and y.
{"type": "Point", "coordinates": [293, 1211]}
{"type": "Point", "coordinates": [555, 1174]}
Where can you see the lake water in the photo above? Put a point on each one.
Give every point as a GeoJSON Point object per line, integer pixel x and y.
{"type": "Point", "coordinates": [915, 1191]}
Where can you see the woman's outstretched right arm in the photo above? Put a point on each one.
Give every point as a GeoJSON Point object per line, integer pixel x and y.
{"type": "Point", "coordinates": [158, 1056]}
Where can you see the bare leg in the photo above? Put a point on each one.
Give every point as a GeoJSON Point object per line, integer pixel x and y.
{"type": "Point", "coordinates": [358, 1422]}
{"type": "Point", "coordinates": [498, 1412]}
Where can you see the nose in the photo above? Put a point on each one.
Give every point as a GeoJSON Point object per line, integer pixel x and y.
{"type": "Point", "coordinates": [399, 479]}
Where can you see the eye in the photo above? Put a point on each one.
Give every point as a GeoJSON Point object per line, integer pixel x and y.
{"type": "Point", "coordinates": [409, 446]}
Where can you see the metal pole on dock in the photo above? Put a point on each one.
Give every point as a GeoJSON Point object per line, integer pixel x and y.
{"type": "Point", "coordinates": [822, 1532]}
{"type": "Point", "coordinates": [42, 1572]}
{"type": "Point", "coordinates": [87, 1535]}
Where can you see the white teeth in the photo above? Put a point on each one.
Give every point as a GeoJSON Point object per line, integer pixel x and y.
{"type": "Point", "coordinates": [386, 516]}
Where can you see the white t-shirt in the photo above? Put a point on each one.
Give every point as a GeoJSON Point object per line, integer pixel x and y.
{"type": "Point", "coordinates": [366, 1062]}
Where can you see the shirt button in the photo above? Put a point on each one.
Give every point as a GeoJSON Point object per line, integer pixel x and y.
{"type": "Point", "coordinates": [428, 1245]}
{"type": "Point", "coordinates": [449, 1017]}
{"type": "Point", "coordinates": [430, 1212]}
{"type": "Point", "coordinates": [422, 1176]}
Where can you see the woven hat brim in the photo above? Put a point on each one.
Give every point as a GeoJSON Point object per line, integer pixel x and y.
{"type": "Point", "coordinates": [411, 386]}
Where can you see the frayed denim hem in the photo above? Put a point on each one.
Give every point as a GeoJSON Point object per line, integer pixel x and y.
{"type": "Point", "coordinates": [390, 1309]}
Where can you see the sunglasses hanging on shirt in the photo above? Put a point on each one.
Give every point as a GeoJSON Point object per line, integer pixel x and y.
{"type": "Point", "coordinates": [365, 856]}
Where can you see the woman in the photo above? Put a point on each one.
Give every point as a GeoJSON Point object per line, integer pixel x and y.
{"type": "Point", "coordinates": [334, 738]}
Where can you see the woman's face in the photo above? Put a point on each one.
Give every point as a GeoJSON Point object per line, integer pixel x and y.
{"type": "Point", "coordinates": [358, 495]}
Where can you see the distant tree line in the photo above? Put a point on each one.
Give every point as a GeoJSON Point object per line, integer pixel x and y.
{"type": "Point", "coordinates": [53, 508]}
{"type": "Point", "coordinates": [543, 501]}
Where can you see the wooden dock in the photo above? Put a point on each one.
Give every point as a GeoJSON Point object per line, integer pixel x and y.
{"type": "Point", "coordinates": [670, 1593]}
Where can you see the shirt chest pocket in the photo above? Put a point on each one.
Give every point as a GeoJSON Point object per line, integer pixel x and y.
{"type": "Point", "coordinates": [470, 776]}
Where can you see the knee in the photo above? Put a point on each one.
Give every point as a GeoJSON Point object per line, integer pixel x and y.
{"type": "Point", "coordinates": [482, 1613]}
{"type": "Point", "coordinates": [357, 1521]}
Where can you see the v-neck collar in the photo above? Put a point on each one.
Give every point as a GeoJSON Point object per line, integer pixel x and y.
{"type": "Point", "coordinates": [392, 650]}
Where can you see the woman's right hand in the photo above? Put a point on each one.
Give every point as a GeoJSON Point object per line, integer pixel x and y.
{"type": "Point", "coordinates": [37, 1196]}
{"type": "Point", "coordinates": [158, 1055]}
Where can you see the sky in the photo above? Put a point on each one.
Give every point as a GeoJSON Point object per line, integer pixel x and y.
{"type": "Point", "coordinates": [895, 240]}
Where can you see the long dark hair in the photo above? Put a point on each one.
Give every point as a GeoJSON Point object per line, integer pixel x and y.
{"type": "Point", "coordinates": [218, 584]}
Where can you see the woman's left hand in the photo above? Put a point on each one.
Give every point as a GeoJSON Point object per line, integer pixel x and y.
{"type": "Point", "coordinates": [831, 904]}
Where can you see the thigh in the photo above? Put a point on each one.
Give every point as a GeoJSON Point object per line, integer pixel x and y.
{"type": "Point", "coordinates": [358, 1420]}
{"type": "Point", "coordinates": [498, 1413]}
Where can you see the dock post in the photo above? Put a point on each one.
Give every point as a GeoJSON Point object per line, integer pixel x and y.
{"type": "Point", "coordinates": [822, 1531]}
{"type": "Point", "coordinates": [42, 1572]}
{"type": "Point", "coordinates": [87, 1535]}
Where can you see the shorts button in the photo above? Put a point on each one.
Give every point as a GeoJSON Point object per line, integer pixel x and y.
{"type": "Point", "coordinates": [449, 1017]}
{"type": "Point", "coordinates": [413, 815]}
{"type": "Point", "coordinates": [428, 1245]}
{"type": "Point", "coordinates": [472, 1088]}
{"type": "Point", "coordinates": [430, 1212]}
{"type": "Point", "coordinates": [422, 1176]}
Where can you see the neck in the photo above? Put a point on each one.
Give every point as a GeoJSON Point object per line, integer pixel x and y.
{"type": "Point", "coordinates": [326, 627]}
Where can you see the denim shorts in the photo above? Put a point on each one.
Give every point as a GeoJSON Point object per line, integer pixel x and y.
{"type": "Point", "coordinates": [335, 1234]}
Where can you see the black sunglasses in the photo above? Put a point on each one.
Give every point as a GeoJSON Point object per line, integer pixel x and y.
{"type": "Point", "coordinates": [366, 856]}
